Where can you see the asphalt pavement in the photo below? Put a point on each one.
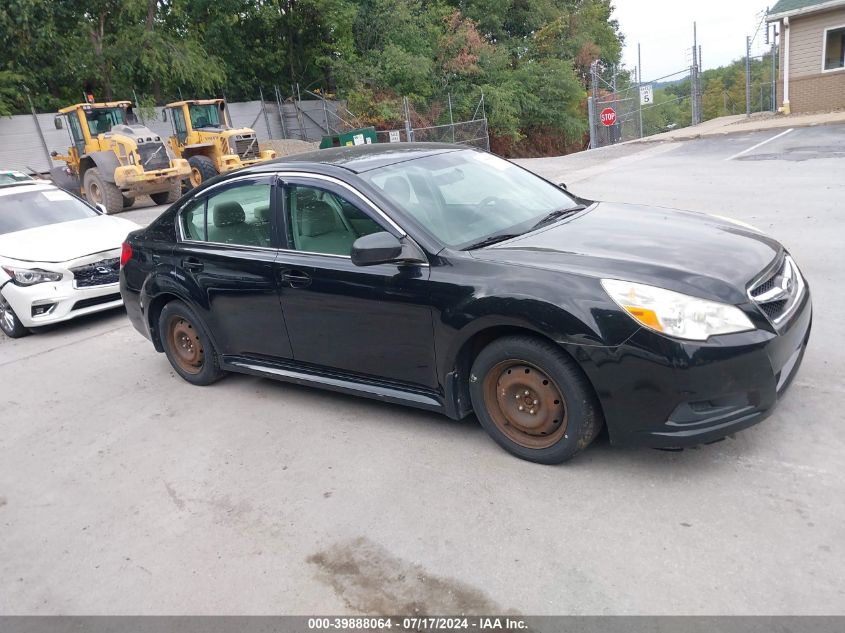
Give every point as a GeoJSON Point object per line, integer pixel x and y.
{"type": "Point", "coordinates": [125, 490]}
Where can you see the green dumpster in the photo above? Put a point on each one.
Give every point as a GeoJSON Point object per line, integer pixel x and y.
{"type": "Point", "coordinates": [361, 136]}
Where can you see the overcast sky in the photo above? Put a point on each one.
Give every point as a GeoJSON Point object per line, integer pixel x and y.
{"type": "Point", "coordinates": [664, 29]}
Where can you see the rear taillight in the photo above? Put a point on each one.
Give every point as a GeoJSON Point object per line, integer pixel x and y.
{"type": "Point", "coordinates": [125, 254]}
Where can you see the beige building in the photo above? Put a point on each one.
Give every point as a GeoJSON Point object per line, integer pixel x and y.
{"type": "Point", "coordinates": [812, 54]}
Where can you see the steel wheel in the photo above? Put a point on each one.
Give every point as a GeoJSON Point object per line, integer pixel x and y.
{"type": "Point", "coordinates": [525, 404]}
{"type": "Point", "coordinates": [94, 193]}
{"type": "Point", "coordinates": [195, 177]}
{"type": "Point", "coordinates": [185, 344]}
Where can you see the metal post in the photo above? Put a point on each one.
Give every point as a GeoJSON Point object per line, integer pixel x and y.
{"type": "Point", "coordinates": [138, 105]}
{"type": "Point", "coordinates": [40, 133]}
{"type": "Point", "coordinates": [591, 115]}
{"type": "Point", "coordinates": [694, 74]}
{"type": "Point", "coordinates": [748, 76]}
{"type": "Point", "coordinates": [264, 111]}
{"type": "Point", "coordinates": [326, 113]}
{"type": "Point", "coordinates": [639, 84]}
{"type": "Point", "coordinates": [409, 134]}
{"type": "Point", "coordinates": [281, 111]}
{"type": "Point", "coordinates": [181, 98]}
{"type": "Point", "coordinates": [451, 120]}
{"type": "Point", "coordinates": [226, 107]}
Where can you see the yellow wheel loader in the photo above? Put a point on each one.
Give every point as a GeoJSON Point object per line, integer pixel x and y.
{"type": "Point", "coordinates": [203, 134]}
{"type": "Point", "coordinates": [112, 160]}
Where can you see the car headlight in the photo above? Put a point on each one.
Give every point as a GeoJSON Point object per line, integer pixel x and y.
{"type": "Point", "coordinates": [31, 276]}
{"type": "Point", "coordinates": [676, 314]}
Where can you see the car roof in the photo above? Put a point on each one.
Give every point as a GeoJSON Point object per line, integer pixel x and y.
{"type": "Point", "coordinates": [359, 158]}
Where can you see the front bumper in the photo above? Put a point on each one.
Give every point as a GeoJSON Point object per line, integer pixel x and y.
{"type": "Point", "coordinates": [230, 162]}
{"type": "Point", "coordinates": [48, 303]}
{"type": "Point", "coordinates": [663, 393]}
{"type": "Point", "coordinates": [134, 177]}
{"type": "Point", "coordinates": [53, 302]}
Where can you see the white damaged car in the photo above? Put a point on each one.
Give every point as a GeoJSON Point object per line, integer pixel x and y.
{"type": "Point", "coordinates": [59, 257]}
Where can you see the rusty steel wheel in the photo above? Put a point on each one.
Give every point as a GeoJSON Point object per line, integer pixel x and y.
{"type": "Point", "coordinates": [195, 177]}
{"type": "Point", "coordinates": [525, 404]}
{"type": "Point", "coordinates": [185, 344]}
{"type": "Point", "coordinates": [533, 399]}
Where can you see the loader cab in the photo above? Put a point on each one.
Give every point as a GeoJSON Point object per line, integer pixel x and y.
{"type": "Point", "coordinates": [85, 121]}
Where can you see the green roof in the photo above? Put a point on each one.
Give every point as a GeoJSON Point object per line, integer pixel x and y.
{"type": "Point", "coordinates": [788, 6]}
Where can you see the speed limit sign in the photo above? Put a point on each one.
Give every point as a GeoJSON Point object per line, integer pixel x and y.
{"type": "Point", "coordinates": [647, 94]}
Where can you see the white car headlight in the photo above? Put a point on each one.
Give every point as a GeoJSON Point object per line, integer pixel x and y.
{"type": "Point", "coordinates": [31, 276]}
{"type": "Point", "coordinates": [676, 314]}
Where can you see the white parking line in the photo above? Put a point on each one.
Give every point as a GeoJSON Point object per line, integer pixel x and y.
{"type": "Point", "coordinates": [751, 149]}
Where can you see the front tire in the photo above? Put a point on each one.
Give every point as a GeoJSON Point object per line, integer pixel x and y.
{"type": "Point", "coordinates": [9, 321]}
{"type": "Point", "coordinates": [202, 169]}
{"type": "Point", "coordinates": [170, 196]}
{"type": "Point", "coordinates": [187, 345]}
{"type": "Point", "coordinates": [533, 400]}
{"type": "Point", "coordinates": [99, 191]}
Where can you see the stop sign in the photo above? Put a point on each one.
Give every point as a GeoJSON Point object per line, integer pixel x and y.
{"type": "Point", "coordinates": [608, 116]}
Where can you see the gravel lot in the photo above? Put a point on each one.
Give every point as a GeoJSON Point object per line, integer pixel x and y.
{"type": "Point", "coordinates": [124, 490]}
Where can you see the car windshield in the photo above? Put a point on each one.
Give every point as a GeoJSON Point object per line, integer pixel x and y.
{"type": "Point", "coordinates": [466, 196]}
{"type": "Point", "coordinates": [102, 120]}
{"type": "Point", "coordinates": [28, 209]}
{"type": "Point", "coordinates": [205, 116]}
{"type": "Point", "coordinates": [9, 177]}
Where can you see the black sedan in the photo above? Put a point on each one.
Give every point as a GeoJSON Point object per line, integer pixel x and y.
{"type": "Point", "coordinates": [449, 279]}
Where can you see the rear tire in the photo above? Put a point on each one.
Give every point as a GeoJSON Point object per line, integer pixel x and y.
{"type": "Point", "coordinates": [100, 191]}
{"type": "Point", "coordinates": [202, 169]}
{"type": "Point", "coordinates": [170, 196]}
{"type": "Point", "coordinates": [9, 321]}
{"type": "Point", "coordinates": [187, 345]}
{"type": "Point", "coordinates": [533, 399]}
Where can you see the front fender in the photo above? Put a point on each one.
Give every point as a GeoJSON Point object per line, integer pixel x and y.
{"type": "Point", "coordinates": [106, 163]}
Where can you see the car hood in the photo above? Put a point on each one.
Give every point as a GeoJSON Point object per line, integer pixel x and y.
{"type": "Point", "coordinates": [706, 255]}
{"type": "Point", "coordinates": [66, 241]}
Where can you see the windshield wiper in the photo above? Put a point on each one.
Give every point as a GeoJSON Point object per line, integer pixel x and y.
{"type": "Point", "coordinates": [557, 214]}
{"type": "Point", "coordinates": [490, 240]}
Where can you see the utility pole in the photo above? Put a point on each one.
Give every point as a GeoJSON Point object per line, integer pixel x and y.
{"type": "Point", "coordinates": [640, 84]}
{"type": "Point", "coordinates": [694, 74]}
{"type": "Point", "coordinates": [774, 68]}
{"type": "Point", "coordinates": [748, 76]}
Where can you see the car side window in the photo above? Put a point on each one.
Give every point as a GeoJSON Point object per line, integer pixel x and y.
{"type": "Point", "coordinates": [238, 215]}
{"type": "Point", "coordinates": [323, 222]}
{"type": "Point", "coordinates": [193, 220]}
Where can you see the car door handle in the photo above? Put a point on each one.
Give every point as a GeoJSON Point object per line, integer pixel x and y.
{"type": "Point", "coordinates": [192, 265]}
{"type": "Point", "coordinates": [295, 278]}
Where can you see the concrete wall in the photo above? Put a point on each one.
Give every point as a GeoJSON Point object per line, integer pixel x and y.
{"type": "Point", "coordinates": [810, 89]}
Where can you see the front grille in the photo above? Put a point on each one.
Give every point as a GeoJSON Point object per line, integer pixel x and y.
{"type": "Point", "coordinates": [95, 301]}
{"type": "Point", "coordinates": [153, 156]}
{"type": "Point", "coordinates": [105, 271]}
{"type": "Point", "coordinates": [246, 147]}
{"type": "Point", "coordinates": [779, 293]}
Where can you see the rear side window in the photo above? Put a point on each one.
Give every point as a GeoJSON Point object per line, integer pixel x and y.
{"type": "Point", "coordinates": [238, 215]}
{"type": "Point", "coordinates": [193, 221]}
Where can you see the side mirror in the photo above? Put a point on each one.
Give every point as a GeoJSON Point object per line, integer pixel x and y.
{"type": "Point", "coordinates": [385, 248]}
{"type": "Point", "coordinates": [102, 208]}
{"type": "Point", "coordinates": [376, 248]}
{"type": "Point", "coordinates": [58, 123]}
{"type": "Point", "coordinates": [164, 115]}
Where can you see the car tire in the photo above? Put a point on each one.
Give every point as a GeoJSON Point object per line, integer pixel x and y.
{"type": "Point", "coordinates": [187, 345]}
{"type": "Point", "coordinates": [100, 191]}
{"type": "Point", "coordinates": [9, 321]}
{"type": "Point", "coordinates": [533, 400]}
{"type": "Point", "coordinates": [170, 196]}
{"type": "Point", "coordinates": [202, 169]}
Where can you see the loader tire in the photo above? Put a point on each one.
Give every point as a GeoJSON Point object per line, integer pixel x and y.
{"type": "Point", "coordinates": [171, 195]}
{"type": "Point", "coordinates": [99, 191]}
{"type": "Point", "coordinates": [202, 169]}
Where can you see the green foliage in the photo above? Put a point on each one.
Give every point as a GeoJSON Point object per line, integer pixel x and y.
{"type": "Point", "coordinates": [530, 58]}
